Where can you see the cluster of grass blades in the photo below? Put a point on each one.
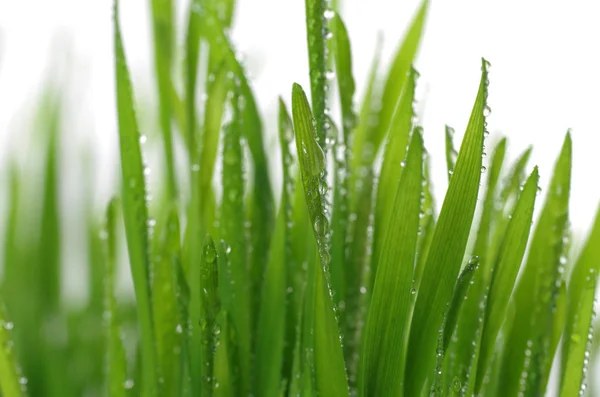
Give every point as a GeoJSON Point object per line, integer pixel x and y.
{"type": "Point", "coordinates": [346, 281]}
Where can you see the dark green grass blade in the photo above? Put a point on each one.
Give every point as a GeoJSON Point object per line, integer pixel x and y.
{"type": "Point", "coordinates": [11, 383]}
{"type": "Point", "coordinates": [271, 331]}
{"type": "Point", "coordinates": [330, 372]}
{"type": "Point", "coordinates": [451, 152]}
{"type": "Point", "coordinates": [116, 364]}
{"type": "Point", "coordinates": [234, 234]}
{"type": "Point", "coordinates": [345, 79]}
{"type": "Point", "coordinates": [386, 331]}
{"type": "Point", "coordinates": [504, 273]}
{"type": "Point", "coordinates": [448, 247]}
{"type": "Point", "coordinates": [395, 149]}
{"type": "Point", "coordinates": [527, 352]}
{"type": "Point", "coordinates": [163, 32]}
{"type": "Point", "coordinates": [135, 213]}
{"type": "Point", "coordinates": [396, 78]}
{"type": "Point", "coordinates": [316, 28]}
{"type": "Point", "coordinates": [167, 319]}
{"type": "Point", "coordinates": [577, 337]}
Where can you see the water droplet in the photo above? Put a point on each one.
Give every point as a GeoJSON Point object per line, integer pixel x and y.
{"type": "Point", "coordinates": [363, 289]}
{"type": "Point", "coordinates": [146, 171]}
{"type": "Point", "coordinates": [329, 14]}
{"type": "Point", "coordinates": [209, 253]}
{"type": "Point", "coordinates": [321, 225]}
{"type": "Point", "coordinates": [195, 167]}
{"type": "Point", "coordinates": [23, 380]}
{"type": "Point", "coordinates": [128, 384]}
{"type": "Point", "coordinates": [143, 139]}
{"type": "Point", "coordinates": [179, 329]}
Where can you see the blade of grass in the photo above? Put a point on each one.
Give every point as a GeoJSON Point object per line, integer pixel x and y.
{"type": "Point", "coordinates": [135, 212]}
{"type": "Point", "coordinates": [581, 292]}
{"type": "Point", "coordinates": [387, 326]}
{"type": "Point", "coordinates": [451, 152]}
{"type": "Point", "coordinates": [345, 79]}
{"type": "Point", "coordinates": [12, 384]}
{"type": "Point", "coordinates": [448, 247]}
{"type": "Point", "coordinates": [426, 224]}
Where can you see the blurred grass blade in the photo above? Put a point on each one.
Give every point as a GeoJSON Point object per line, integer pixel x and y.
{"type": "Point", "coordinates": [116, 364]}
{"type": "Point", "coordinates": [163, 34]}
{"type": "Point", "coordinates": [330, 373]}
{"type": "Point", "coordinates": [448, 247]}
{"type": "Point", "coordinates": [386, 331]}
{"type": "Point", "coordinates": [12, 384]}
{"type": "Point", "coordinates": [451, 152]}
{"type": "Point", "coordinates": [396, 78]}
{"type": "Point", "coordinates": [271, 328]}
{"type": "Point", "coordinates": [580, 301]}
{"type": "Point", "coordinates": [504, 273]}
{"type": "Point", "coordinates": [427, 222]}
{"type": "Point", "coordinates": [192, 54]}
{"type": "Point", "coordinates": [527, 354]}
{"type": "Point", "coordinates": [135, 213]}
{"type": "Point", "coordinates": [224, 383]}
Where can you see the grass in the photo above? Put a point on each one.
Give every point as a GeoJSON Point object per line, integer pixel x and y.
{"type": "Point", "coordinates": [345, 282]}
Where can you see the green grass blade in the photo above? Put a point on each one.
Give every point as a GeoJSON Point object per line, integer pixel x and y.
{"type": "Point", "coordinates": [426, 225]}
{"type": "Point", "coordinates": [330, 372]}
{"type": "Point", "coordinates": [504, 273]}
{"type": "Point", "coordinates": [345, 79]}
{"type": "Point", "coordinates": [135, 212]}
{"type": "Point", "coordinates": [448, 247]}
{"type": "Point", "coordinates": [224, 383]}
{"type": "Point", "coordinates": [12, 384]}
{"type": "Point", "coordinates": [116, 364]}
{"type": "Point", "coordinates": [451, 152]}
{"type": "Point", "coordinates": [316, 28]}
{"type": "Point", "coordinates": [163, 33]}
{"type": "Point", "coordinates": [397, 76]}
{"type": "Point", "coordinates": [527, 353]}
{"type": "Point", "coordinates": [192, 54]}
{"type": "Point", "coordinates": [166, 311]}
{"type": "Point", "coordinates": [386, 331]}
{"type": "Point", "coordinates": [580, 301]}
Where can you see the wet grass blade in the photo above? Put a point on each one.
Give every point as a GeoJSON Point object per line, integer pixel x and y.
{"type": "Point", "coordinates": [451, 152]}
{"type": "Point", "coordinates": [527, 352]}
{"type": "Point", "coordinates": [116, 364]}
{"type": "Point", "coordinates": [11, 383]}
{"type": "Point", "coordinates": [386, 331]}
{"type": "Point", "coordinates": [345, 79]}
{"type": "Point", "coordinates": [580, 301]}
{"type": "Point", "coordinates": [135, 212]}
{"type": "Point", "coordinates": [192, 54]}
{"type": "Point", "coordinates": [504, 273]}
{"type": "Point", "coordinates": [448, 247]}
{"type": "Point", "coordinates": [330, 373]}
{"type": "Point", "coordinates": [427, 223]}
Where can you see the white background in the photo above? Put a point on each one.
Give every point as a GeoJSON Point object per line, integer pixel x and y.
{"type": "Point", "coordinates": [544, 75]}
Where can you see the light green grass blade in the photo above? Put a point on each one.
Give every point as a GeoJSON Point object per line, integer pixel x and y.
{"type": "Point", "coordinates": [345, 79]}
{"type": "Point", "coordinates": [396, 78]}
{"type": "Point", "coordinates": [167, 319]}
{"type": "Point", "coordinates": [163, 33]}
{"type": "Point", "coordinates": [135, 213]}
{"type": "Point", "coordinates": [330, 374]}
{"type": "Point", "coordinates": [11, 381]}
{"type": "Point", "coordinates": [386, 331]}
{"type": "Point", "coordinates": [390, 173]}
{"type": "Point", "coordinates": [448, 247]}
{"type": "Point", "coordinates": [271, 331]}
{"type": "Point", "coordinates": [504, 273]}
{"type": "Point", "coordinates": [192, 54]}
{"type": "Point", "coordinates": [527, 352]}
{"type": "Point", "coordinates": [234, 234]}
{"type": "Point", "coordinates": [224, 382]}
{"type": "Point", "coordinates": [116, 364]}
{"type": "Point", "coordinates": [451, 152]}
{"type": "Point", "coordinates": [426, 224]}
{"type": "Point", "coordinates": [316, 28]}
{"type": "Point", "coordinates": [577, 337]}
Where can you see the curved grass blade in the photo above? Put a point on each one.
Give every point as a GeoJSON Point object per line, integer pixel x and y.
{"type": "Point", "coordinates": [580, 301]}
{"type": "Point", "coordinates": [451, 152]}
{"type": "Point", "coordinates": [330, 373]}
{"type": "Point", "coordinates": [116, 364]}
{"type": "Point", "coordinates": [527, 354]}
{"type": "Point", "coordinates": [504, 273]}
{"type": "Point", "coordinates": [448, 247]}
{"type": "Point", "coordinates": [11, 381]}
{"type": "Point", "coordinates": [135, 212]}
{"type": "Point", "coordinates": [396, 78]}
{"type": "Point", "coordinates": [386, 331]}
{"type": "Point", "coordinates": [271, 329]}
{"type": "Point", "coordinates": [163, 32]}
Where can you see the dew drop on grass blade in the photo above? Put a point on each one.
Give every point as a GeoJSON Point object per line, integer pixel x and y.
{"type": "Point", "coordinates": [527, 354]}
{"type": "Point", "coordinates": [135, 212]}
{"type": "Point", "coordinates": [271, 329]}
{"type": "Point", "coordinates": [386, 331]}
{"type": "Point", "coordinates": [451, 152]}
{"type": "Point", "coordinates": [580, 315]}
{"type": "Point", "coordinates": [116, 364]}
{"type": "Point", "coordinates": [330, 373]}
{"type": "Point", "coordinates": [505, 269]}
{"type": "Point", "coordinates": [11, 381]}
{"type": "Point", "coordinates": [447, 248]}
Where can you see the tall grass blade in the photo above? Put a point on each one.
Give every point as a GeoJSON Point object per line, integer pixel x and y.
{"type": "Point", "coordinates": [12, 384]}
{"type": "Point", "coordinates": [451, 152]}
